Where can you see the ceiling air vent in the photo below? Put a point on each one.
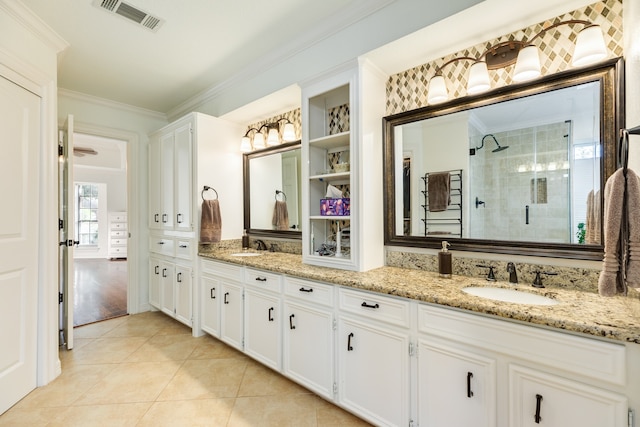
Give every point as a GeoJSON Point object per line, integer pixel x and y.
{"type": "Point", "coordinates": [131, 13]}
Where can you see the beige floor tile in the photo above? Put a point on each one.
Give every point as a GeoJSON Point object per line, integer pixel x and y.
{"type": "Point", "coordinates": [160, 348]}
{"type": "Point", "coordinates": [96, 330]}
{"type": "Point", "coordinates": [189, 413]}
{"type": "Point", "coordinates": [118, 415]}
{"type": "Point", "coordinates": [259, 380]}
{"type": "Point", "coordinates": [72, 384]}
{"type": "Point", "coordinates": [297, 410]}
{"type": "Point", "coordinates": [212, 348]}
{"type": "Point", "coordinates": [106, 350]}
{"type": "Point", "coordinates": [31, 417]}
{"type": "Point", "coordinates": [330, 415]}
{"type": "Point", "coordinates": [131, 382]}
{"type": "Point", "coordinates": [205, 379]}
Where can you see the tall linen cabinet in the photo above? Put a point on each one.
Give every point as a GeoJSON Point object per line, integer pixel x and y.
{"type": "Point", "coordinates": [195, 151]}
{"type": "Point", "coordinates": [342, 153]}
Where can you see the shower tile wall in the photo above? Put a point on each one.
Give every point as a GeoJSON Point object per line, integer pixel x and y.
{"type": "Point", "coordinates": [504, 182]}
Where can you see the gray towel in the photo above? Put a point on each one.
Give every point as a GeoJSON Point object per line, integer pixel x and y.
{"type": "Point", "coordinates": [633, 205]}
{"type": "Point", "coordinates": [280, 215]}
{"type": "Point", "coordinates": [439, 189]}
{"type": "Point", "coordinates": [211, 222]}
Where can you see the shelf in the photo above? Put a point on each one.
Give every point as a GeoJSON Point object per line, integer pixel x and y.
{"type": "Point", "coordinates": [338, 176]}
{"type": "Point", "coordinates": [331, 217]}
{"type": "Point", "coordinates": [331, 141]}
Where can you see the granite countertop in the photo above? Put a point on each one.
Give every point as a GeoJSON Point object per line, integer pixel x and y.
{"type": "Point", "coordinates": [616, 318]}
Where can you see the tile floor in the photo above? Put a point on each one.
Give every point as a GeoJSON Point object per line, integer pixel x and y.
{"type": "Point", "coordinates": [147, 370]}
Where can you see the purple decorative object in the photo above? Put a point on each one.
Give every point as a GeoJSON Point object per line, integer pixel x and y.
{"type": "Point", "coordinates": [335, 207]}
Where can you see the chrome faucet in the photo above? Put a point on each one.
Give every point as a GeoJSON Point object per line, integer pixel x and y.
{"type": "Point", "coordinates": [513, 276]}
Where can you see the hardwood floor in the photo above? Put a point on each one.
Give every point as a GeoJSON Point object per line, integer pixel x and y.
{"type": "Point", "coordinates": [100, 290]}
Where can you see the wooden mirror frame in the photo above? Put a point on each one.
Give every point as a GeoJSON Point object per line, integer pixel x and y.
{"type": "Point", "coordinates": [259, 232]}
{"type": "Point", "coordinates": [610, 74]}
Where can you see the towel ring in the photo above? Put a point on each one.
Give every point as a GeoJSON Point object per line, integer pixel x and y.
{"type": "Point", "coordinates": [281, 192]}
{"type": "Point", "coordinates": [206, 187]}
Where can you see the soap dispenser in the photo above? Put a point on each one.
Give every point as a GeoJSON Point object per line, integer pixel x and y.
{"type": "Point", "coordinates": [245, 240]}
{"type": "Point", "coordinates": [444, 261]}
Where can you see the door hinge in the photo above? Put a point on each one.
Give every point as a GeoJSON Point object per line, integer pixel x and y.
{"type": "Point", "coordinates": [630, 417]}
{"type": "Point", "coordinates": [60, 224]}
{"type": "Point", "coordinates": [411, 423]}
{"type": "Point", "coordinates": [60, 150]}
{"type": "Point", "coordinates": [411, 349]}
{"type": "Point", "coordinates": [60, 298]}
{"type": "Point", "coordinates": [335, 388]}
{"type": "Point", "coordinates": [335, 324]}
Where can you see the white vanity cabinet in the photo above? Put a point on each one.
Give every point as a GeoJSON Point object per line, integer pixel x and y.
{"type": "Point", "coordinates": [154, 282]}
{"type": "Point", "coordinates": [175, 291]}
{"type": "Point", "coordinates": [308, 335]}
{"type": "Point", "coordinates": [458, 378]}
{"type": "Point", "coordinates": [263, 317]}
{"type": "Point", "coordinates": [374, 336]}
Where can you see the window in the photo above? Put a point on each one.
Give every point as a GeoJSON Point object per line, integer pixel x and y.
{"type": "Point", "coordinates": [87, 214]}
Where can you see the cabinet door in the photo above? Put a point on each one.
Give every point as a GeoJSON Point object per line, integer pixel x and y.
{"type": "Point", "coordinates": [308, 347]}
{"type": "Point", "coordinates": [183, 285]}
{"type": "Point", "coordinates": [166, 181]}
{"type": "Point", "coordinates": [210, 312]}
{"type": "Point", "coordinates": [167, 290]}
{"type": "Point", "coordinates": [262, 336]}
{"type": "Point", "coordinates": [155, 184]}
{"type": "Point", "coordinates": [231, 315]}
{"type": "Point", "coordinates": [373, 367]}
{"type": "Point", "coordinates": [450, 378]}
{"type": "Point", "coordinates": [540, 399]}
{"type": "Point", "coordinates": [154, 283]}
{"type": "Point", "coordinates": [183, 182]}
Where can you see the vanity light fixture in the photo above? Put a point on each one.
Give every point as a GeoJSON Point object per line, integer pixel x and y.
{"type": "Point", "coordinates": [273, 136]}
{"type": "Point", "coordinates": [589, 48]}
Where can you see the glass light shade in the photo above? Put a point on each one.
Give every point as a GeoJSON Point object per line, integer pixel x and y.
{"type": "Point", "coordinates": [437, 90]}
{"type": "Point", "coordinates": [590, 47]}
{"type": "Point", "coordinates": [245, 145]}
{"type": "Point", "coordinates": [478, 78]}
{"type": "Point", "coordinates": [527, 65]}
{"type": "Point", "coordinates": [289, 132]}
{"type": "Point", "coordinates": [273, 138]}
{"type": "Point", "coordinates": [258, 141]}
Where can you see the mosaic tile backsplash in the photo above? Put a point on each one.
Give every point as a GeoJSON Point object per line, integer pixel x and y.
{"type": "Point", "coordinates": [408, 90]}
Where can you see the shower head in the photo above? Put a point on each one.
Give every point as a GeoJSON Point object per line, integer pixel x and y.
{"type": "Point", "coordinates": [500, 148]}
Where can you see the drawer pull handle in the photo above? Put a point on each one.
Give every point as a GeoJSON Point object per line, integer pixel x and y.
{"type": "Point", "coordinates": [364, 304]}
{"type": "Point", "coordinates": [469, 392]}
{"type": "Point", "coordinates": [212, 291]}
{"type": "Point", "coordinates": [155, 218]}
{"type": "Point", "coordinates": [164, 218]}
{"type": "Point", "coordinates": [179, 218]}
{"type": "Point", "coordinates": [179, 277]}
{"type": "Point", "coordinates": [291, 325]}
{"type": "Point", "coordinates": [349, 347]}
{"type": "Point", "coordinates": [156, 269]}
{"type": "Point", "coordinates": [184, 246]}
{"type": "Point", "coordinates": [261, 279]}
{"type": "Point", "coordinates": [538, 418]}
{"type": "Point", "coordinates": [161, 242]}
{"type": "Point", "coordinates": [164, 272]}
{"type": "Point", "coordinates": [306, 290]}
{"type": "Point", "coordinates": [226, 294]}
{"type": "Point", "coordinates": [270, 314]}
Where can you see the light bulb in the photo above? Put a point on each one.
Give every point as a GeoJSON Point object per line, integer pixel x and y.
{"type": "Point", "coordinates": [289, 132]}
{"type": "Point", "coordinates": [478, 78]}
{"type": "Point", "coordinates": [258, 141]}
{"type": "Point", "coordinates": [437, 90]}
{"type": "Point", "coordinates": [590, 47]}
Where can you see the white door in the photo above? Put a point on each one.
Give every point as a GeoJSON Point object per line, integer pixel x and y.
{"type": "Point", "coordinates": [66, 207]}
{"type": "Point", "coordinates": [262, 328]}
{"type": "Point", "coordinates": [19, 176]}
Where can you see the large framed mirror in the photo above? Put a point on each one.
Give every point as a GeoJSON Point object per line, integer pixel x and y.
{"type": "Point", "coordinates": [272, 191]}
{"type": "Point", "coordinates": [518, 170]}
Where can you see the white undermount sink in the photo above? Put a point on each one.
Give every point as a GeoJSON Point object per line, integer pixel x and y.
{"type": "Point", "coordinates": [509, 295]}
{"type": "Point", "coordinates": [246, 254]}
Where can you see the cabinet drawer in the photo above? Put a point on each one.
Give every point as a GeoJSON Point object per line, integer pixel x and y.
{"type": "Point", "coordinates": [184, 249]}
{"type": "Point", "coordinates": [221, 269]}
{"type": "Point", "coordinates": [161, 245]}
{"type": "Point", "coordinates": [118, 217]}
{"type": "Point", "coordinates": [118, 233]}
{"type": "Point", "coordinates": [376, 307]}
{"type": "Point", "coordinates": [118, 251]}
{"type": "Point", "coordinates": [314, 292]}
{"type": "Point", "coordinates": [263, 280]}
{"type": "Point", "coordinates": [118, 226]}
{"type": "Point", "coordinates": [118, 242]}
{"type": "Point", "coordinates": [583, 356]}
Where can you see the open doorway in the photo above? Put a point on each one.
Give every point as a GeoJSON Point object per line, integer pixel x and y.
{"type": "Point", "coordinates": [100, 257]}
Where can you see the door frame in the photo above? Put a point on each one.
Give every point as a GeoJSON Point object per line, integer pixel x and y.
{"type": "Point", "coordinates": [133, 208]}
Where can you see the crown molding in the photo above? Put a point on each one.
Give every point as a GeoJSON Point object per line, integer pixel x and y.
{"type": "Point", "coordinates": [34, 24]}
{"type": "Point", "coordinates": [90, 99]}
{"type": "Point", "coordinates": [332, 25]}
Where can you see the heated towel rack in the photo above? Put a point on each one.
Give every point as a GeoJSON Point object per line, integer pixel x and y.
{"type": "Point", "coordinates": [448, 222]}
